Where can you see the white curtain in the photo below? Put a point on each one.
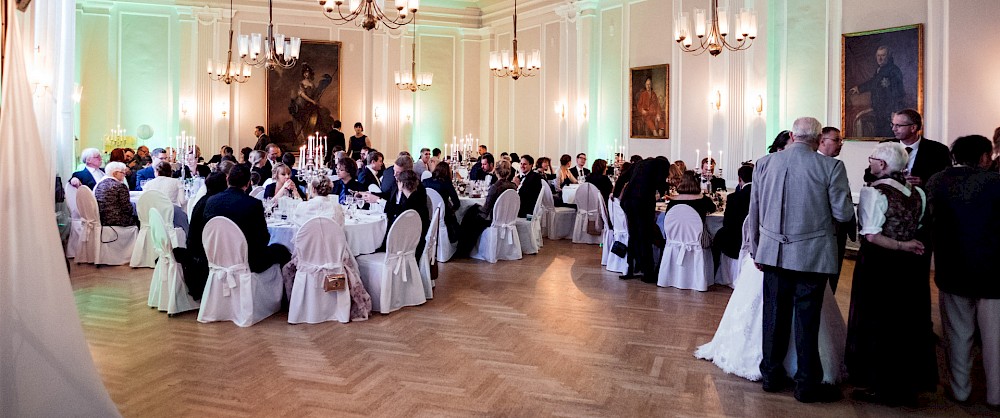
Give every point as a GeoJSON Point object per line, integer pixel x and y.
{"type": "Point", "coordinates": [45, 363]}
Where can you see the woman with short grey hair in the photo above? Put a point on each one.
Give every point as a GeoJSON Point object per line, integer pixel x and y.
{"type": "Point", "coordinates": [112, 196]}
{"type": "Point", "coordinates": [890, 348]}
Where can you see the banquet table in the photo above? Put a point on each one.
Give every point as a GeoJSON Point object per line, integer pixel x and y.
{"type": "Point", "coordinates": [466, 203]}
{"type": "Point", "coordinates": [713, 222]}
{"type": "Point", "coordinates": [365, 232]}
{"type": "Point", "coordinates": [180, 216]}
{"type": "Point", "coordinates": [569, 194]}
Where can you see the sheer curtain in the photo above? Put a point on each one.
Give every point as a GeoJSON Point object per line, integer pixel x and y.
{"type": "Point", "coordinates": [45, 363]}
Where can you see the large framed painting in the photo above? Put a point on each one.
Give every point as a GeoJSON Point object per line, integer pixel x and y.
{"type": "Point", "coordinates": [650, 93]}
{"type": "Point", "coordinates": [304, 99]}
{"type": "Point", "coordinates": [882, 71]}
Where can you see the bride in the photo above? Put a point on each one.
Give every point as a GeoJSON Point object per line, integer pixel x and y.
{"type": "Point", "coordinates": [736, 347]}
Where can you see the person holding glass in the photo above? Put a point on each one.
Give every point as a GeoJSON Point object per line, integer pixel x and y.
{"type": "Point", "coordinates": [347, 183]}
{"type": "Point", "coordinates": [283, 185]}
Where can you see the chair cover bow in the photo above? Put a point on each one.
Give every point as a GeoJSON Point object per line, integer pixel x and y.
{"type": "Point", "coordinates": [318, 269]}
{"type": "Point", "coordinates": [229, 276]}
{"type": "Point", "coordinates": [507, 231]}
{"type": "Point", "coordinates": [399, 258]}
{"type": "Point", "coordinates": [89, 225]}
{"type": "Point", "coordinates": [675, 250]}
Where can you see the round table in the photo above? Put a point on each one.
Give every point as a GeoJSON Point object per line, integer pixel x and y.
{"type": "Point", "coordinates": [364, 232]}
{"type": "Point", "coordinates": [713, 222]}
{"type": "Point", "coordinates": [466, 203]}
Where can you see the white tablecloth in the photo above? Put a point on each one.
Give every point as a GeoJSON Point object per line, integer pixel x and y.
{"type": "Point", "coordinates": [467, 203]}
{"type": "Point", "coordinates": [364, 234]}
{"type": "Point", "coordinates": [569, 194]}
{"type": "Point", "coordinates": [180, 216]}
{"type": "Point", "coordinates": [713, 222]}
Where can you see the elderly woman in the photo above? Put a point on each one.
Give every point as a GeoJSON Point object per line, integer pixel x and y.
{"type": "Point", "coordinates": [323, 203]}
{"type": "Point", "coordinates": [689, 193]}
{"type": "Point", "coordinates": [478, 218]}
{"type": "Point", "coordinates": [112, 197]}
{"type": "Point", "coordinates": [890, 351]}
{"type": "Point", "coordinates": [283, 186]}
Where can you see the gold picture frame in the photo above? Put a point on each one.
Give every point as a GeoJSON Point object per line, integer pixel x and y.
{"type": "Point", "coordinates": [649, 108]}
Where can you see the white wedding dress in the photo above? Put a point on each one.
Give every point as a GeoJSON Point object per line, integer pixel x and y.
{"type": "Point", "coordinates": [736, 347]}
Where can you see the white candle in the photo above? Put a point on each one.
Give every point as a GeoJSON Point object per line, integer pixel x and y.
{"type": "Point", "coordinates": [697, 154]}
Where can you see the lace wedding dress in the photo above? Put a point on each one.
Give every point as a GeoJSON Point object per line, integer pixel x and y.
{"type": "Point", "coordinates": [736, 347]}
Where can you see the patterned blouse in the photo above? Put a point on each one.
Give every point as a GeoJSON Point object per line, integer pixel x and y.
{"type": "Point", "coordinates": [113, 203]}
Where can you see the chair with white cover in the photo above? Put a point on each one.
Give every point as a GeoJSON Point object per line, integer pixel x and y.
{"type": "Point", "coordinates": [500, 241]}
{"type": "Point", "coordinates": [729, 268]}
{"type": "Point", "coordinates": [202, 191]}
{"type": "Point", "coordinates": [619, 233]}
{"type": "Point", "coordinates": [320, 248]}
{"type": "Point", "coordinates": [589, 207]}
{"type": "Point", "coordinates": [167, 290]}
{"type": "Point", "coordinates": [92, 246]}
{"type": "Point", "coordinates": [393, 278]}
{"type": "Point", "coordinates": [233, 292]}
{"type": "Point", "coordinates": [73, 242]}
{"type": "Point", "coordinates": [425, 175]}
{"type": "Point", "coordinates": [530, 232]}
{"type": "Point", "coordinates": [559, 220]}
{"type": "Point", "coordinates": [685, 264]}
{"type": "Point", "coordinates": [445, 248]}
{"type": "Point", "coordinates": [257, 192]}
{"type": "Point", "coordinates": [429, 257]}
{"type": "Point", "coordinates": [143, 254]}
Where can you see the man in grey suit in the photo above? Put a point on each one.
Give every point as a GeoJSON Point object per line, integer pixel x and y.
{"type": "Point", "coordinates": [797, 195]}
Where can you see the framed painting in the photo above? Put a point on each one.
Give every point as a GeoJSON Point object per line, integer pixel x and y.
{"type": "Point", "coordinates": [650, 97]}
{"type": "Point", "coordinates": [881, 72]}
{"type": "Point", "coordinates": [304, 99]}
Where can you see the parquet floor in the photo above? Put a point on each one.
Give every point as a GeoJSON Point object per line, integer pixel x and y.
{"type": "Point", "coordinates": [551, 335]}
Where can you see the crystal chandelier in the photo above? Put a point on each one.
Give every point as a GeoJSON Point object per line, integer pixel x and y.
{"type": "Point", "coordinates": [370, 13]}
{"type": "Point", "coordinates": [715, 39]}
{"type": "Point", "coordinates": [517, 64]}
{"type": "Point", "coordinates": [277, 51]}
{"type": "Point", "coordinates": [231, 72]}
{"type": "Point", "coordinates": [412, 80]}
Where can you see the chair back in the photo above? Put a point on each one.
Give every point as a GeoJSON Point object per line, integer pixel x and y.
{"type": "Point", "coordinates": [86, 204]}
{"type": "Point", "coordinates": [154, 199]}
{"type": "Point", "coordinates": [618, 221]}
{"type": "Point", "coordinates": [506, 207]}
{"type": "Point", "coordinates": [588, 200]}
{"type": "Point", "coordinates": [404, 235]}
{"type": "Point", "coordinates": [540, 207]}
{"type": "Point", "coordinates": [158, 234]}
{"type": "Point", "coordinates": [548, 201]}
{"type": "Point", "coordinates": [425, 175]}
{"type": "Point", "coordinates": [225, 245]}
{"type": "Point", "coordinates": [430, 246]}
{"type": "Point", "coordinates": [683, 225]}
{"type": "Point", "coordinates": [202, 191]}
{"type": "Point", "coordinates": [71, 200]}
{"type": "Point", "coordinates": [257, 192]}
{"type": "Point", "coordinates": [320, 242]}
{"type": "Point", "coordinates": [436, 200]}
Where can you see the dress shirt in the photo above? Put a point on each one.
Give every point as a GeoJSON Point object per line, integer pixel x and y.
{"type": "Point", "coordinates": [912, 149]}
{"type": "Point", "coordinates": [97, 173]}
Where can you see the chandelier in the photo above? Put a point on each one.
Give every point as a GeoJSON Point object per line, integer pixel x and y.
{"type": "Point", "coordinates": [412, 80]}
{"type": "Point", "coordinates": [229, 74]}
{"type": "Point", "coordinates": [277, 51]}
{"type": "Point", "coordinates": [515, 65]}
{"type": "Point", "coordinates": [715, 39]}
{"type": "Point", "coordinates": [369, 13]}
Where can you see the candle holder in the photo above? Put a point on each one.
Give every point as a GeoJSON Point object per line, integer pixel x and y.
{"type": "Point", "coordinates": [310, 173]}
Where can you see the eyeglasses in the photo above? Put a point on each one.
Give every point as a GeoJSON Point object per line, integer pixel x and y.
{"type": "Point", "coordinates": [894, 126]}
{"type": "Point", "coordinates": [873, 159]}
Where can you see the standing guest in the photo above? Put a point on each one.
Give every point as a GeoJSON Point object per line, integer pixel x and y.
{"type": "Point", "coordinates": [358, 141]}
{"type": "Point", "coordinates": [780, 142]}
{"type": "Point", "coordinates": [346, 185]}
{"type": "Point", "coordinates": [729, 239]}
{"type": "Point", "coordinates": [369, 175]}
{"type": "Point", "coordinates": [544, 167]}
{"type": "Point", "coordinates": [708, 173]}
{"type": "Point", "coordinates": [440, 181]}
{"type": "Point", "coordinates": [580, 171]}
{"type": "Point", "coordinates": [890, 353]}
{"type": "Point", "coordinates": [689, 193]}
{"type": "Point", "coordinates": [142, 157]}
{"type": "Point", "coordinates": [927, 157]}
{"type": "Point", "coordinates": [411, 195]}
{"type": "Point", "coordinates": [478, 218]}
{"type": "Point", "coordinates": [248, 214]}
{"type": "Point", "coordinates": [475, 173]}
{"type": "Point", "coordinates": [262, 138]}
{"type": "Point", "coordinates": [113, 203]}
{"type": "Point", "coordinates": [324, 203]}
{"type": "Point", "coordinates": [830, 144]}
{"type": "Point", "coordinates": [638, 198]}
{"type": "Point", "coordinates": [283, 186]}
{"type": "Point", "coordinates": [191, 168]}
{"type": "Point", "coordinates": [166, 184]}
{"type": "Point", "coordinates": [529, 187]}
{"type": "Point", "coordinates": [964, 220]}
{"type": "Point", "coordinates": [422, 163]}
{"type": "Point", "coordinates": [334, 138]}
{"type": "Point", "coordinates": [623, 177]}
{"type": "Point", "coordinates": [91, 173]}
{"type": "Point", "coordinates": [796, 197]}
{"type": "Point", "coordinates": [258, 165]}
{"type": "Point", "coordinates": [599, 177]}
{"type": "Point", "coordinates": [193, 261]}
{"type": "Point", "coordinates": [148, 173]}
{"type": "Point", "coordinates": [566, 176]}
{"type": "Point", "coordinates": [679, 163]}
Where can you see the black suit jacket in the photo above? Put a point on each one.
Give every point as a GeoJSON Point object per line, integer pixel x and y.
{"type": "Point", "coordinates": [932, 158]}
{"type": "Point", "coordinates": [248, 214]}
{"type": "Point", "coordinates": [143, 175]}
{"type": "Point", "coordinates": [418, 202]}
{"type": "Point", "coordinates": [185, 172]}
{"type": "Point", "coordinates": [85, 178]}
{"type": "Point", "coordinates": [531, 185]}
{"type": "Point", "coordinates": [262, 142]}
{"type": "Point", "coordinates": [333, 139]}
{"type": "Point", "coordinates": [576, 173]}
{"type": "Point", "coordinates": [729, 239]}
{"type": "Point", "coordinates": [366, 178]}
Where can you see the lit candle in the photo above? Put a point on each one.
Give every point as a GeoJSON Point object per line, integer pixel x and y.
{"type": "Point", "coordinates": [697, 154]}
{"type": "Point", "coordinates": [302, 155]}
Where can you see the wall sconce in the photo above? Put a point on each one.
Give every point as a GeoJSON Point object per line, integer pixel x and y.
{"type": "Point", "coordinates": [37, 75]}
{"type": "Point", "coordinates": [583, 109]}
{"type": "Point", "coordinates": [225, 109]}
{"type": "Point", "coordinates": [561, 110]}
{"type": "Point", "coordinates": [377, 113]}
{"type": "Point", "coordinates": [716, 100]}
{"type": "Point", "coordinates": [408, 117]}
{"type": "Point", "coordinates": [185, 106]}
{"type": "Point", "coordinates": [77, 93]}
{"type": "Point", "coordinates": [759, 105]}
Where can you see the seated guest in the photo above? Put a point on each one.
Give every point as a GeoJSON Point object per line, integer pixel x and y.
{"type": "Point", "coordinates": [411, 195]}
{"type": "Point", "coordinates": [323, 203]}
{"type": "Point", "coordinates": [191, 168]}
{"type": "Point", "coordinates": [225, 166]}
{"type": "Point", "coordinates": [708, 172]}
{"type": "Point", "coordinates": [440, 181]}
{"type": "Point", "coordinates": [192, 258]}
{"type": "Point", "coordinates": [599, 178]}
{"type": "Point", "coordinates": [488, 168]}
{"type": "Point", "coordinates": [91, 173]}
{"type": "Point", "coordinates": [544, 167]}
{"type": "Point", "coordinates": [566, 176]}
{"type": "Point", "coordinates": [283, 186]}
{"type": "Point", "coordinates": [142, 158]}
{"type": "Point", "coordinates": [780, 142]}
{"type": "Point", "coordinates": [370, 173]}
{"type": "Point", "coordinates": [679, 163]}
{"type": "Point", "coordinates": [689, 193]}
{"type": "Point", "coordinates": [273, 154]}
{"type": "Point", "coordinates": [248, 214]}
{"type": "Point", "coordinates": [346, 185]}
{"type": "Point", "coordinates": [288, 159]}
{"type": "Point", "coordinates": [245, 152]}
{"type": "Point", "coordinates": [148, 173]}
{"type": "Point", "coordinates": [130, 161]}
{"type": "Point", "coordinates": [529, 187]}
{"type": "Point", "coordinates": [623, 178]}
{"type": "Point", "coordinates": [112, 196]}
{"type": "Point", "coordinates": [403, 162]}
{"type": "Point", "coordinates": [580, 171]}
{"type": "Point", "coordinates": [223, 151]}
{"type": "Point", "coordinates": [259, 165]}
{"type": "Point", "coordinates": [119, 155]}
{"type": "Point", "coordinates": [435, 159]}
{"type": "Point", "coordinates": [675, 175]}
{"type": "Point", "coordinates": [169, 186]}
{"type": "Point", "coordinates": [478, 218]}
{"type": "Point", "coordinates": [423, 162]}
{"type": "Point", "coordinates": [729, 239]}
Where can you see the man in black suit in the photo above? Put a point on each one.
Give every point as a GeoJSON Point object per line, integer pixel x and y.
{"type": "Point", "coordinates": [334, 138]}
{"type": "Point", "coordinates": [248, 214]}
{"type": "Point", "coordinates": [141, 176]}
{"type": "Point", "coordinates": [639, 204]}
{"type": "Point", "coordinates": [529, 187]}
{"type": "Point", "coordinates": [92, 173]}
{"type": "Point", "coordinates": [389, 187]}
{"type": "Point", "coordinates": [262, 139]}
{"type": "Point", "coordinates": [927, 157]}
{"type": "Point", "coordinates": [476, 172]}
{"type": "Point", "coordinates": [487, 166]}
{"type": "Point", "coordinates": [729, 239]}
{"type": "Point", "coordinates": [580, 171]}
{"type": "Point", "coordinates": [368, 175]}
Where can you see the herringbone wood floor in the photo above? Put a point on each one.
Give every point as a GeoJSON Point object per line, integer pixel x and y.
{"type": "Point", "coordinates": [550, 335]}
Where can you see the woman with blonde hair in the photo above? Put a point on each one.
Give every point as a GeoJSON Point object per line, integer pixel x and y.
{"type": "Point", "coordinates": [283, 186]}
{"type": "Point", "coordinates": [323, 203]}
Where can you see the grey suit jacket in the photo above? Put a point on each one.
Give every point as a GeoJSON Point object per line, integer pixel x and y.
{"type": "Point", "coordinates": [797, 194]}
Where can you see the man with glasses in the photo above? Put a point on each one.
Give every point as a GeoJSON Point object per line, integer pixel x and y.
{"type": "Point", "coordinates": [91, 173]}
{"type": "Point", "coordinates": [927, 157]}
{"type": "Point", "coordinates": [830, 144]}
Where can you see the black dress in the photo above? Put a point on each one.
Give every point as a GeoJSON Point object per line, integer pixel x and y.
{"type": "Point", "coordinates": [703, 206]}
{"type": "Point", "coordinates": [356, 145]}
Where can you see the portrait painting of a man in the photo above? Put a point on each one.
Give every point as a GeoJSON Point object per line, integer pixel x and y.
{"type": "Point", "coordinates": [882, 73]}
{"type": "Point", "coordinates": [650, 101]}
